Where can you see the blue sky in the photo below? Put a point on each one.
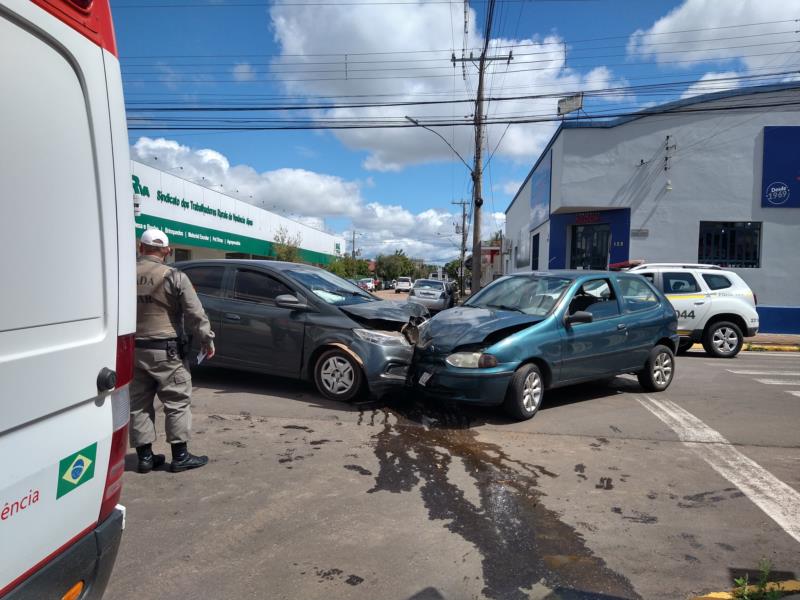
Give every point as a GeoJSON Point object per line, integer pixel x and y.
{"type": "Point", "coordinates": [395, 186]}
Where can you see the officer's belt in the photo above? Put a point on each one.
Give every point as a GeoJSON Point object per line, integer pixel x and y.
{"type": "Point", "coordinates": [156, 344]}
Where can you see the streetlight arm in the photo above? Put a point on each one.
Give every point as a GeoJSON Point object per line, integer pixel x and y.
{"type": "Point", "coordinates": [418, 124]}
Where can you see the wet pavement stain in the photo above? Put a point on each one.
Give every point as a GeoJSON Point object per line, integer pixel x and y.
{"type": "Point", "coordinates": [635, 517]}
{"type": "Point", "coordinates": [605, 484]}
{"type": "Point", "coordinates": [358, 469]}
{"type": "Point", "coordinates": [354, 580]}
{"type": "Point", "coordinates": [302, 427]}
{"type": "Point", "coordinates": [516, 536]}
{"type": "Point", "coordinates": [705, 499]}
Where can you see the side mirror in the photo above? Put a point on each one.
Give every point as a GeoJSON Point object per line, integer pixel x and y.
{"type": "Point", "coordinates": [290, 302]}
{"type": "Point", "coordinates": [580, 316]}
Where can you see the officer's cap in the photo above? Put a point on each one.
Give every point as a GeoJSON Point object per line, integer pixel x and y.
{"type": "Point", "coordinates": [155, 237]}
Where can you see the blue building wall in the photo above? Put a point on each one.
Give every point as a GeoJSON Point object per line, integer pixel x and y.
{"type": "Point", "coordinates": [619, 220]}
{"type": "Point", "coordinates": [779, 319]}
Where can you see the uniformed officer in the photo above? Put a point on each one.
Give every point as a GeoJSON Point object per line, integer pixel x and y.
{"type": "Point", "coordinates": [166, 301]}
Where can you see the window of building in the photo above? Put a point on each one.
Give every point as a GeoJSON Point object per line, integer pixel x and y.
{"type": "Point", "coordinates": [535, 252]}
{"type": "Point", "coordinates": [206, 280]}
{"type": "Point", "coordinates": [717, 282]}
{"type": "Point", "coordinates": [258, 287]}
{"type": "Point", "coordinates": [636, 294]}
{"type": "Point", "coordinates": [730, 244]}
{"type": "Point", "coordinates": [182, 254]}
{"type": "Point", "coordinates": [680, 283]}
{"type": "Point", "coordinates": [597, 297]}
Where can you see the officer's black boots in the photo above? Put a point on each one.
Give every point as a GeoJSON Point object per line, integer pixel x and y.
{"type": "Point", "coordinates": [147, 460]}
{"type": "Point", "coordinates": [183, 460]}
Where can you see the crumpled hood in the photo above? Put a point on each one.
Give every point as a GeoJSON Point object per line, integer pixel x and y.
{"type": "Point", "coordinates": [467, 325]}
{"type": "Point", "coordinates": [386, 310]}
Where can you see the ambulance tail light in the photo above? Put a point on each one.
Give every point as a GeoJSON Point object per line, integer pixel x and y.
{"type": "Point", "coordinates": [120, 412]}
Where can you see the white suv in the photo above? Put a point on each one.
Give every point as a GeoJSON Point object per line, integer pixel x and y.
{"type": "Point", "coordinates": [714, 306]}
{"type": "Point", "coordinates": [403, 285]}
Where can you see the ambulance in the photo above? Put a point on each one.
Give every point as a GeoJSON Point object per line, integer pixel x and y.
{"type": "Point", "coordinates": [67, 313]}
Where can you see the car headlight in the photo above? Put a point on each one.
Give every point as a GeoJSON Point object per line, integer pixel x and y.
{"type": "Point", "coordinates": [382, 338]}
{"type": "Point", "coordinates": [471, 360]}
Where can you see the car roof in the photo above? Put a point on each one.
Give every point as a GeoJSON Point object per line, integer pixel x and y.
{"type": "Point", "coordinates": [276, 265]}
{"type": "Point", "coordinates": [565, 273]}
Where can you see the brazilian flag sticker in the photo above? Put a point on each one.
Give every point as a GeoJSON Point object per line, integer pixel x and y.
{"type": "Point", "coordinates": [76, 469]}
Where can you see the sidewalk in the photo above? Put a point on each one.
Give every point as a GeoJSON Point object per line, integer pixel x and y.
{"type": "Point", "coordinates": [773, 341]}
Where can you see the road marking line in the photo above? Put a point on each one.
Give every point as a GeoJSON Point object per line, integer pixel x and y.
{"type": "Point", "coordinates": [781, 373]}
{"type": "Point", "coordinates": [793, 393]}
{"type": "Point", "coordinates": [779, 501]}
{"type": "Point", "coordinates": [778, 381]}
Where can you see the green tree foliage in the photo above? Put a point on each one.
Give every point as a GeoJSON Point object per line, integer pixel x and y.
{"type": "Point", "coordinates": [392, 266]}
{"type": "Point", "coordinates": [287, 247]}
{"type": "Point", "coordinates": [453, 269]}
{"type": "Point", "coordinates": [349, 267]}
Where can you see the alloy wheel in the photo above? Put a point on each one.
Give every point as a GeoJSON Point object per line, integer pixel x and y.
{"type": "Point", "coordinates": [662, 369]}
{"type": "Point", "coordinates": [532, 392]}
{"type": "Point", "coordinates": [337, 375]}
{"type": "Point", "coordinates": [725, 340]}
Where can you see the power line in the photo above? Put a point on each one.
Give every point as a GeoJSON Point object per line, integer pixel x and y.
{"type": "Point", "coordinates": [448, 50]}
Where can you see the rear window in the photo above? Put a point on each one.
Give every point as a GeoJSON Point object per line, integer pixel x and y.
{"type": "Point", "coordinates": [404, 279]}
{"type": "Point", "coordinates": [206, 280]}
{"type": "Point", "coordinates": [428, 284]}
{"type": "Point", "coordinates": [717, 282]}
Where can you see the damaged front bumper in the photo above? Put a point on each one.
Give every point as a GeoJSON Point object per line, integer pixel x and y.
{"type": "Point", "coordinates": [385, 367]}
{"type": "Point", "coordinates": [484, 387]}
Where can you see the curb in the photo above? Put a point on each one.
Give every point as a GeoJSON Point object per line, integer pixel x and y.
{"type": "Point", "coordinates": [753, 347]}
{"type": "Point", "coordinates": [785, 587]}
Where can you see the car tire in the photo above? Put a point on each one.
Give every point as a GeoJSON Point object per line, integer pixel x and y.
{"type": "Point", "coordinates": [684, 347]}
{"type": "Point", "coordinates": [337, 375]}
{"type": "Point", "coordinates": [723, 339]}
{"type": "Point", "coordinates": [659, 370]}
{"type": "Point", "coordinates": [525, 393]}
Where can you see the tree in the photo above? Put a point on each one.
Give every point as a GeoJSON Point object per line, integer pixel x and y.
{"type": "Point", "coordinates": [453, 269]}
{"type": "Point", "coordinates": [349, 267]}
{"type": "Point", "coordinates": [287, 248]}
{"type": "Point", "coordinates": [392, 266]}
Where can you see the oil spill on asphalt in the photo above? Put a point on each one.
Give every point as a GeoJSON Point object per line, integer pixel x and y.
{"type": "Point", "coordinates": [358, 469]}
{"type": "Point", "coordinates": [605, 484]}
{"type": "Point", "coordinates": [521, 542]}
{"type": "Point", "coordinates": [706, 499]}
{"type": "Point", "coordinates": [301, 427]}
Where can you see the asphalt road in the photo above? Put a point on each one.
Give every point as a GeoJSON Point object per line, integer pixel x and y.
{"type": "Point", "coordinates": [607, 493]}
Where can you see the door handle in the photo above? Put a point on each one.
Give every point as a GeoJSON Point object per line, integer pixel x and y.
{"type": "Point", "coordinates": [232, 317]}
{"type": "Point", "coordinates": [621, 326]}
{"type": "Point", "coordinates": [700, 303]}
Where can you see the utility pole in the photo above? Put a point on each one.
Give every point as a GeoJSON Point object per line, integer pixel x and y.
{"type": "Point", "coordinates": [477, 169]}
{"type": "Point", "coordinates": [463, 232]}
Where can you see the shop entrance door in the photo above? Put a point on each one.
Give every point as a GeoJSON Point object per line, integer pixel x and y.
{"type": "Point", "coordinates": [590, 246]}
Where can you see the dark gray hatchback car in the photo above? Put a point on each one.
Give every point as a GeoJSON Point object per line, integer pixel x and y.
{"type": "Point", "coordinates": [303, 322]}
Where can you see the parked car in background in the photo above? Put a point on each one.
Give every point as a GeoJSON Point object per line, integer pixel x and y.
{"type": "Point", "coordinates": [367, 283]}
{"type": "Point", "coordinates": [431, 293]}
{"type": "Point", "coordinates": [403, 284]}
{"type": "Point", "coordinates": [524, 334]}
{"type": "Point", "coordinates": [714, 307]}
{"type": "Point", "coordinates": [299, 321]}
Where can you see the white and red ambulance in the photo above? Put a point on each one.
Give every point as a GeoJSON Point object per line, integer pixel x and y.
{"type": "Point", "coordinates": [67, 307]}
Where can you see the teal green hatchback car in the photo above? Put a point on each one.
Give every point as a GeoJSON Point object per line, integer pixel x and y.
{"type": "Point", "coordinates": [527, 333]}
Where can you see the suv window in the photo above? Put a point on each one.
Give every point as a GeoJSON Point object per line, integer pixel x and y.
{"type": "Point", "coordinates": [651, 277]}
{"type": "Point", "coordinates": [636, 294]}
{"type": "Point", "coordinates": [680, 283]}
{"type": "Point", "coordinates": [597, 297]}
{"type": "Point", "coordinates": [717, 282]}
{"type": "Point", "coordinates": [206, 280]}
{"type": "Point", "coordinates": [254, 286]}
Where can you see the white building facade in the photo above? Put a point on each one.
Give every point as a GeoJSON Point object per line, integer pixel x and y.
{"type": "Point", "coordinates": [204, 223]}
{"type": "Point", "coordinates": [714, 179]}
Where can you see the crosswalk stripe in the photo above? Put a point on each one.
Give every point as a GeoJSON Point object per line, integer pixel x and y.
{"type": "Point", "coordinates": [778, 381]}
{"type": "Point", "coordinates": [780, 373]}
{"type": "Point", "coordinates": [778, 500]}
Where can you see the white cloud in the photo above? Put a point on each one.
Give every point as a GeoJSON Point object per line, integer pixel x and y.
{"type": "Point", "coordinates": [312, 197]}
{"type": "Point", "coordinates": [303, 33]}
{"type": "Point", "coordinates": [713, 82]}
{"type": "Point", "coordinates": [243, 72]}
{"type": "Point", "coordinates": [511, 187]}
{"type": "Point", "coordinates": [680, 26]}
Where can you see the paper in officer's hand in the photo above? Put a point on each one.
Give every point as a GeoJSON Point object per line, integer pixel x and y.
{"type": "Point", "coordinates": [201, 356]}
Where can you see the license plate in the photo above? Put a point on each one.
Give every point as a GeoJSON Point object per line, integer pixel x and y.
{"type": "Point", "coordinates": [425, 378]}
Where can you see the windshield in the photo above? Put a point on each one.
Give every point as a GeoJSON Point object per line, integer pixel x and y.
{"type": "Point", "coordinates": [329, 287]}
{"type": "Point", "coordinates": [428, 284]}
{"type": "Point", "coordinates": [530, 295]}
